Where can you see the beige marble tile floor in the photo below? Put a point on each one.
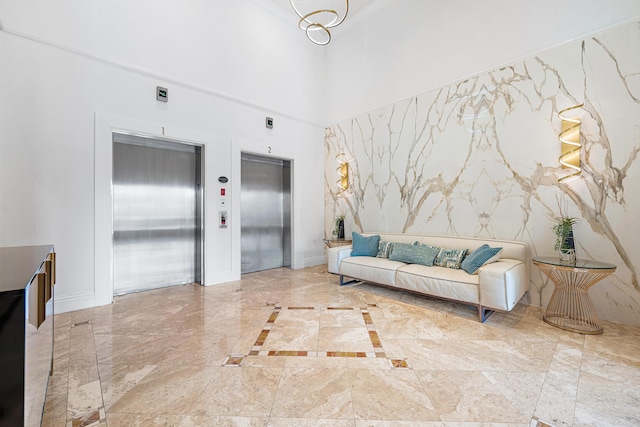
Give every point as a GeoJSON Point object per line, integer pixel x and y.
{"type": "Point", "coordinates": [292, 348]}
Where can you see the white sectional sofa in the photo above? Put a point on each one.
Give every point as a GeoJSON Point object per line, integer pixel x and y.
{"type": "Point", "coordinates": [497, 286]}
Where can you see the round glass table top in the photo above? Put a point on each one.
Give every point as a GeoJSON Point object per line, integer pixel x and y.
{"type": "Point", "coordinates": [579, 263]}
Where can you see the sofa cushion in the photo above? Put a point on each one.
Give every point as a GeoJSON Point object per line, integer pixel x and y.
{"type": "Point", "coordinates": [413, 254]}
{"type": "Point", "coordinates": [384, 249]}
{"type": "Point", "coordinates": [481, 256]}
{"type": "Point", "coordinates": [439, 281]}
{"type": "Point", "coordinates": [371, 269]}
{"type": "Point", "coordinates": [450, 258]}
{"type": "Point", "coordinates": [364, 246]}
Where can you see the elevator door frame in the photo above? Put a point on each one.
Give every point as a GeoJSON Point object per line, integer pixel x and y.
{"type": "Point", "coordinates": [158, 142]}
{"type": "Point", "coordinates": [288, 253]}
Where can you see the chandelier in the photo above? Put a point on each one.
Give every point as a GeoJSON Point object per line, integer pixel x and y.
{"type": "Point", "coordinates": [317, 17]}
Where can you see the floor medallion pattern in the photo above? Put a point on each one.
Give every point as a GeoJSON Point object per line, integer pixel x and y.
{"type": "Point", "coordinates": [356, 317]}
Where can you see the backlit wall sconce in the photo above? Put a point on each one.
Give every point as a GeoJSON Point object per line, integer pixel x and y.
{"type": "Point", "coordinates": [343, 173]}
{"type": "Point", "coordinates": [569, 136]}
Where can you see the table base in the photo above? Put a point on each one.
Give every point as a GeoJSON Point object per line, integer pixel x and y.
{"type": "Point", "coordinates": [574, 325]}
{"type": "Point", "coordinates": [570, 307]}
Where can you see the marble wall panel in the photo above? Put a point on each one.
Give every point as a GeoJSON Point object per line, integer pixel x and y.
{"type": "Point", "coordinates": [480, 158]}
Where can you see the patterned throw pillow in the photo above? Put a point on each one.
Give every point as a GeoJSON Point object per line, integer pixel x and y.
{"type": "Point", "coordinates": [450, 258]}
{"type": "Point", "coordinates": [384, 249]}
{"type": "Point", "coordinates": [413, 254]}
{"type": "Point", "coordinates": [435, 248]}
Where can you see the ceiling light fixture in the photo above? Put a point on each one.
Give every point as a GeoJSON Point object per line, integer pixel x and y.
{"type": "Point", "coordinates": [317, 17]}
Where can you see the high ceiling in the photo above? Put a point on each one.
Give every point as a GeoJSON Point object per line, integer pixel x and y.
{"type": "Point", "coordinates": [358, 9]}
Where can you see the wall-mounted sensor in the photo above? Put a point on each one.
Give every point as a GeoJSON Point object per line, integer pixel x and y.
{"type": "Point", "coordinates": [162, 94]}
{"type": "Point", "coordinates": [269, 122]}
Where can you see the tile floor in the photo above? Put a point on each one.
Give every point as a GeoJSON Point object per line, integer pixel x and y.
{"type": "Point", "coordinates": [292, 348]}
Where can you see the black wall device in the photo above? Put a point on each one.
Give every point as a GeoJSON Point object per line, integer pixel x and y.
{"type": "Point", "coordinates": [162, 94]}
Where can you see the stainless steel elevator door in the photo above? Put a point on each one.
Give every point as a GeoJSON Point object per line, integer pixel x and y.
{"type": "Point", "coordinates": [265, 213]}
{"type": "Point", "coordinates": [156, 188]}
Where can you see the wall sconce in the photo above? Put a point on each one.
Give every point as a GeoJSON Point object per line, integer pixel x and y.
{"type": "Point", "coordinates": [569, 136]}
{"type": "Point", "coordinates": [343, 173]}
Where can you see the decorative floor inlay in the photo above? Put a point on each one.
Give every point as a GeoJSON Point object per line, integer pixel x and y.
{"type": "Point", "coordinates": [233, 361]}
{"type": "Point", "coordinates": [399, 363]}
{"type": "Point", "coordinates": [535, 422]}
{"type": "Point", "coordinates": [90, 420]}
{"type": "Point", "coordinates": [374, 339]}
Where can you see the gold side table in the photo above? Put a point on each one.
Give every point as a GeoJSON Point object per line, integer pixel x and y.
{"type": "Point", "coordinates": [336, 242]}
{"type": "Point", "coordinates": [570, 307]}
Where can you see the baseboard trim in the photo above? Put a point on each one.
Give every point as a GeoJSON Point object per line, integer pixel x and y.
{"type": "Point", "coordinates": [65, 304]}
{"type": "Point", "coordinates": [222, 278]}
{"type": "Point", "coordinates": [312, 262]}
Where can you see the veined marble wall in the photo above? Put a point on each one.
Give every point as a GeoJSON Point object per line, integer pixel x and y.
{"type": "Point", "coordinates": [480, 158]}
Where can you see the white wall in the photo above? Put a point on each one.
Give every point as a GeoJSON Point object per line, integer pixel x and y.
{"type": "Point", "coordinates": [73, 70]}
{"type": "Point", "coordinates": [232, 48]}
{"type": "Point", "coordinates": [412, 46]}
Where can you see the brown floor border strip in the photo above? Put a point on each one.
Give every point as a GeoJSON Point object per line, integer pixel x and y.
{"type": "Point", "coordinates": [378, 351]}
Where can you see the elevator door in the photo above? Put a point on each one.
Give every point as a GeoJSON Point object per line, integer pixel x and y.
{"type": "Point", "coordinates": [156, 213]}
{"type": "Point", "coordinates": [265, 213]}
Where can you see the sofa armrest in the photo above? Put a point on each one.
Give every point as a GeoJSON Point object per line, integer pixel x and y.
{"type": "Point", "coordinates": [503, 283]}
{"type": "Point", "coordinates": [335, 255]}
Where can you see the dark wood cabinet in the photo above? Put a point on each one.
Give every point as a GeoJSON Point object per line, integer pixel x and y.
{"type": "Point", "coordinates": [27, 276]}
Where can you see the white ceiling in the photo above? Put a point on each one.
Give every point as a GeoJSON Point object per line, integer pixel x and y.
{"type": "Point", "coordinates": [355, 6]}
{"type": "Point", "coordinates": [358, 9]}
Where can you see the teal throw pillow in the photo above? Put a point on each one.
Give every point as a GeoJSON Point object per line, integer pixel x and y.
{"type": "Point", "coordinates": [450, 258]}
{"type": "Point", "coordinates": [384, 249]}
{"type": "Point", "coordinates": [476, 259]}
{"type": "Point", "coordinates": [364, 246]}
{"type": "Point", "coordinates": [414, 254]}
